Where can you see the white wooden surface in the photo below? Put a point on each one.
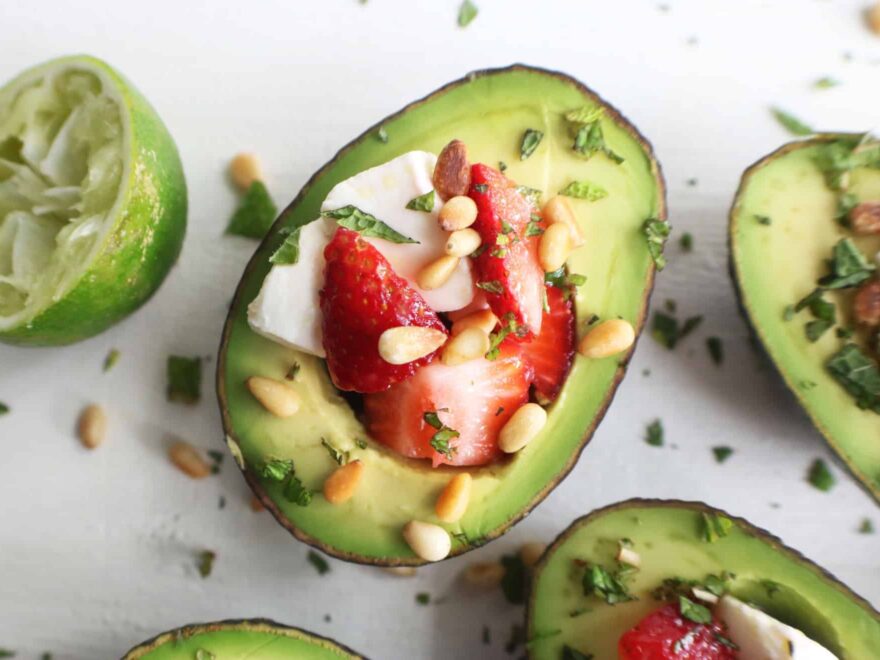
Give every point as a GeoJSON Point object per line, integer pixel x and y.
{"type": "Point", "coordinates": [96, 549]}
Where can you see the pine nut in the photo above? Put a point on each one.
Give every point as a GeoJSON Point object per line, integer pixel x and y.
{"type": "Point", "coordinates": [430, 542]}
{"type": "Point", "coordinates": [401, 571]}
{"type": "Point", "coordinates": [453, 501]}
{"type": "Point", "coordinates": [407, 343]}
{"type": "Point", "coordinates": [554, 246]}
{"type": "Point", "coordinates": [463, 242]}
{"type": "Point", "coordinates": [531, 552]}
{"type": "Point", "coordinates": [436, 273]}
{"type": "Point", "coordinates": [484, 319]}
{"type": "Point", "coordinates": [276, 397]}
{"type": "Point", "coordinates": [607, 338]}
{"type": "Point", "coordinates": [558, 209]}
{"type": "Point", "coordinates": [341, 485]}
{"type": "Point", "coordinates": [873, 14]}
{"type": "Point", "coordinates": [244, 170]}
{"type": "Point", "coordinates": [458, 213]}
{"type": "Point", "coordinates": [467, 345]}
{"type": "Point", "coordinates": [522, 427]}
{"type": "Point", "coordinates": [484, 574]}
{"type": "Point", "coordinates": [92, 426]}
{"type": "Point", "coordinates": [703, 595]}
{"type": "Point", "coordinates": [188, 460]}
{"type": "Point", "coordinates": [629, 557]}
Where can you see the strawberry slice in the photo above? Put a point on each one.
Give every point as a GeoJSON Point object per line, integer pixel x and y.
{"type": "Point", "coordinates": [507, 269]}
{"type": "Point", "coordinates": [362, 297]}
{"type": "Point", "coordinates": [550, 353]}
{"type": "Point", "coordinates": [666, 635]}
{"type": "Point", "coordinates": [473, 399]}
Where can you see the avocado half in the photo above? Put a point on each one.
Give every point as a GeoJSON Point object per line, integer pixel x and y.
{"type": "Point", "coordinates": [775, 265]}
{"type": "Point", "coordinates": [260, 639]}
{"type": "Point", "coordinates": [489, 110]}
{"type": "Point", "coordinates": [669, 537]}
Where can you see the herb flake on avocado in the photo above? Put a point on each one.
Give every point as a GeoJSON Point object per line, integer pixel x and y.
{"type": "Point", "coordinates": [654, 433]}
{"type": "Point", "coordinates": [382, 135]}
{"type": "Point", "coordinates": [296, 492]}
{"type": "Point", "coordinates": [111, 359]}
{"type": "Point", "coordinates": [467, 12]}
{"type": "Point", "coordinates": [693, 611]}
{"type": "Point", "coordinates": [791, 123]}
{"type": "Point", "coordinates": [184, 379]}
{"type": "Point", "coordinates": [365, 224]}
{"type": "Point", "coordinates": [256, 213]}
{"type": "Point", "coordinates": [820, 476]}
{"type": "Point", "coordinates": [656, 232]}
{"type": "Point", "coordinates": [722, 453]}
{"type": "Point", "coordinates": [288, 252]}
{"type": "Point", "coordinates": [568, 653]}
{"type": "Point", "coordinates": [606, 585]}
{"type": "Point", "coordinates": [277, 469]}
{"type": "Point", "coordinates": [589, 138]}
{"type": "Point", "coordinates": [530, 141]}
{"type": "Point", "coordinates": [422, 202]}
{"type": "Point", "coordinates": [715, 526]}
{"type": "Point", "coordinates": [849, 266]}
{"type": "Point", "coordinates": [282, 470]}
{"type": "Point", "coordinates": [587, 190]}
{"type": "Point", "coordinates": [318, 562]}
{"type": "Point", "coordinates": [858, 374]}
{"type": "Point", "coordinates": [566, 282]}
{"type": "Point", "coordinates": [341, 457]}
{"type": "Point", "coordinates": [765, 220]}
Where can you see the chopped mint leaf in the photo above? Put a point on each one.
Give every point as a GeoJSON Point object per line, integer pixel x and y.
{"type": "Point", "coordinates": [296, 492]}
{"type": "Point", "coordinates": [849, 266]}
{"type": "Point", "coordinates": [694, 612]}
{"type": "Point", "coordinates": [318, 562]}
{"type": "Point", "coordinates": [722, 453]}
{"type": "Point", "coordinates": [341, 457]}
{"type": "Point", "coordinates": [815, 329]}
{"type": "Point", "coordinates": [654, 433]}
{"type": "Point", "coordinates": [686, 242]}
{"type": "Point", "coordinates": [866, 526]}
{"type": "Point", "coordinates": [533, 228]}
{"type": "Point", "coordinates": [763, 219]}
{"type": "Point", "coordinates": [365, 224]}
{"type": "Point", "coordinates": [858, 374]}
{"type": "Point", "coordinates": [423, 598]}
{"type": "Point", "coordinates": [292, 372]}
{"type": "Point", "coordinates": [111, 359]}
{"type": "Point", "coordinates": [277, 469]}
{"type": "Point", "coordinates": [667, 332]}
{"type": "Point", "coordinates": [361, 443]}
{"type": "Point", "coordinates": [531, 194]}
{"type": "Point", "coordinates": [433, 419]}
{"type": "Point", "coordinates": [820, 476]}
{"type": "Point", "coordinates": [495, 338]}
{"type": "Point", "coordinates": [206, 562]}
{"type": "Point", "coordinates": [184, 379]}
{"type": "Point", "coordinates": [603, 584]}
{"type": "Point", "coordinates": [584, 190]}
{"type": "Point", "coordinates": [716, 349]}
{"type": "Point", "coordinates": [692, 182]}
{"type": "Point", "coordinates": [589, 139]}
{"type": "Point", "coordinates": [216, 460]}
{"type": "Point", "coordinates": [791, 123]}
{"type": "Point", "coordinates": [6, 653]}
{"type": "Point", "coordinates": [288, 252]}
{"type": "Point", "coordinates": [481, 187]}
{"type": "Point", "coordinates": [422, 202]}
{"type": "Point", "coordinates": [256, 213]}
{"type": "Point", "coordinates": [440, 441]}
{"type": "Point", "coordinates": [467, 12]}
{"type": "Point", "coordinates": [566, 282]}
{"type": "Point", "coordinates": [502, 166]}
{"type": "Point", "coordinates": [382, 135]}
{"type": "Point", "coordinates": [770, 587]}
{"type": "Point", "coordinates": [715, 526]}
{"type": "Point", "coordinates": [656, 232]}
{"type": "Point", "coordinates": [585, 115]}
{"type": "Point", "coordinates": [826, 82]}
{"type": "Point", "coordinates": [516, 578]}
{"type": "Point", "coordinates": [3, 408]}
{"type": "Point", "coordinates": [492, 286]}
{"type": "Point", "coordinates": [530, 141]}
{"type": "Point", "coordinates": [837, 159]}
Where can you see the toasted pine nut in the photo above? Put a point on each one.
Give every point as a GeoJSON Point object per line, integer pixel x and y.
{"type": "Point", "coordinates": [484, 319]}
{"type": "Point", "coordinates": [873, 15]}
{"type": "Point", "coordinates": [629, 557]}
{"type": "Point", "coordinates": [407, 343]}
{"type": "Point", "coordinates": [92, 426]}
{"type": "Point", "coordinates": [341, 485]}
{"type": "Point", "coordinates": [463, 242]}
{"type": "Point", "coordinates": [558, 209]}
{"type": "Point", "coordinates": [522, 427]}
{"type": "Point", "coordinates": [244, 170]}
{"type": "Point", "coordinates": [453, 501]}
{"type": "Point", "coordinates": [531, 552]}
{"type": "Point", "coordinates": [458, 213]}
{"type": "Point", "coordinates": [401, 571]}
{"type": "Point", "coordinates": [607, 338]}
{"type": "Point", "coordinates": [436, 273]}
{"type": "Point", "coordinates": [276, 397]}
{"type": "Point", "coordinates": [430, 542]}
{"type": "Point", "coordinates": [703, 595]}
{"type": "Point", "coordinates": [484, 574]}
{"type": "Point", "coordinates": [554, 246]}
{"type": "Point", "coordinates": [188, 460]}
{"type": "Point", "coordinates": [256, 504]}
{"type": "Point", "coordinates": [469, 344]}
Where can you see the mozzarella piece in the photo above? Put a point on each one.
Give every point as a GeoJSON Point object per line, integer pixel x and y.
{"type": "Point", "coordinates": [384, 192]}
{"type": "Point", "coordinates": [761, 637]}
{"type": "Point", "coordinates": [287, 309]}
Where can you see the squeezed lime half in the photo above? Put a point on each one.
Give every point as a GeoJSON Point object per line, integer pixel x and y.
{"type": "Point", "coordinates": [92, 202]}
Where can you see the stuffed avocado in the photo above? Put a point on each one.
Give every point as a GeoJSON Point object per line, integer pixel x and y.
{"type": "Point", "coordinates": [357, 427]}
{"type": "Point", "coordinates": [803, 246]}
{"type": "Point", "coordinates": [668, 579]}
{"type": "Point", "coordinates": [259, 639]}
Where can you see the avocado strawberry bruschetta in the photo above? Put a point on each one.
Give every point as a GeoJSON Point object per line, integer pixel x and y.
{"type": "Point", "coordinates": [405, 338]}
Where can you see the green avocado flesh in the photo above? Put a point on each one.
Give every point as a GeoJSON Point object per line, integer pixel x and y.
{"type": "Point", "coordinates": [669, 538]}
{"type": "Point", "coordinates": [233, 640]}
{"type": "Point", "coordinates": [489, 111]}
{"type": "Point", "coordinates": [777, 264]}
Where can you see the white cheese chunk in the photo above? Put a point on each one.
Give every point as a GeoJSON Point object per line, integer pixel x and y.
{"type": "Point", "coordinates": [761, 637]}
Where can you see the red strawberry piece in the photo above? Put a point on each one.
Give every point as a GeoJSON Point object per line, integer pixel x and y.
{"type": "Point", "coordinates": [474, 399]}
{"type": "Point", "coordinates": [666, 635]}
{"type": "Point", "coordinates": [550, 353]}
{"type": "Point", "coordinates": [362, 297]}
{"type": "Point", "coordinates": [508, 270]}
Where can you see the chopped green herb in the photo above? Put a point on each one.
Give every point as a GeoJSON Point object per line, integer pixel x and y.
{"type": "Point", "coordinates": [422, 202]}
{"type": "Point", "coordinates": [826, 82]}
{"type": "Point", "coordinates": [722, 453]}
{"type": "Point", "coordinates": [495, 338]}
{"type": "Point", "coordinates": [292, 372]}
{"type": "Point", "coordinates": [366, 224]}
{"type": "Point", "coordinates": [318, 562]}
{"type": "Point", "coordinates": [584, 190]}
{"type": "Point", "coordinates": [502, 166]}
{"type": "Point", "coordinates": [481, 187]}
{"type": "Point", "coordinates": [423, 598]}
{"type": "Point", "coordinates": [184, 379]}
{"type": "Point", "coordinates": [111, 359]}
{"type": "Point", "coordinates": [815, 329]}
{"type": "Point", "coordinates": [277, 469]}
{"type": "Point", "coordinates": [492, 286]}
{"type": "Point", "coordinates": [256, 213]}
{"type": "Point", "coordinates": [487, 638]}
{"type": "Point", "coordinates": [3, 408]}
{"type": "Point", "coordinates": [530, 141]}
{"type": "Point", "coordinates": [440, 440]}
{"type": "Point", "coordinates": [569, 653]}
{"type": "Point", "coordinates": [791, 123]}
{"type": "Point", "coordinates": [686, 242]}
{"type": "Point", "coordinates": [866, 526]}
{"type": "Point", "coordinates": [216, 460]}
{"type": "Point", "coordinates": [361, 443]}
{"type": "Point", "coordinates": [288, 252]}
{"type": "Point", "coordinates": [716, 349]}
{"type": "Point", "coordinates": [858, 374]}
{"type": "Point", "coordinates": [221, 503]}
{"type": "Point", "coordinates": [206, 562]}
{"type": "Point", "coordinates": [515, 580]}
{"type": "Point", "coordinates": [666, 331]}
{"type": "Point", "coordinates": [467, 12]}
{"type": "Point", "coordinates": [788, 313]}
{"type": "Point", "coordinates": [715, 526]}
{"type": "Point", "coordinates": [382, 135]}
{"type": "Point", "coordinates": [603, 584]}
{"type": "Point", "coordinates": [694, 612]}
{"type": "Point", "coordinates": [692, 182]}
{"type": "Point", "coordinates": [844, 333]}
{"type": "Point", "coordinates": [771, 587]}
{"type": "Point", "coordinates": [341, 457]}
{"type": "Point", "coordinates": [837, 159]}
{"type": "Point", "coordinates": [566, 282]}
{"type": "Point", "coordinates": [654, 433]}
{"type": "Point", "coordinates": [6, 653]}
{"type": "Point", "coordinates": [820, 476]}
{"type": "Point", "coordinates": [533, 228]}
{"type": "Point", "coordinates": [46, 656]}
{"type": "Point", "coordinates": [531, 194]}
{"type": "Point", "coordinates": [202, 654]}
{"type": "Point", "coordinates": [589, 139]}
{"type": "Point", "coordinates": [807, 384]}
{"type": "Point", "coordinates": [763, 219]}
{"type": "Point", "coordinates": [656, 232]}
{"type": "Point", "coordinates": [849, 266]}
{"type": "Point", "coordinates": [296, 492]}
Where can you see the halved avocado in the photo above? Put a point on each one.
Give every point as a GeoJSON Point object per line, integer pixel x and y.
{"type": "Point", "coordinates": [489, 111]}
{"type": "Point", "coordinates": [260, 639]}
{"type": "Point", "coordinates": [669, 536]}
{"type": "Point", "coordinates": [782, 231]}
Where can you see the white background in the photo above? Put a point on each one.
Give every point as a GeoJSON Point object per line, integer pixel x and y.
{"type": "Point", "coordinates": [97, 549]}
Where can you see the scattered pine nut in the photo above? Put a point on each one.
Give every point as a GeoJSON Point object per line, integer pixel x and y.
{"type": "Point", "coordinates": [454, 498]}
{"type": "Point", "coordinates": [558, 209]}
{"type": "Point", "coordinates": [342, 484]}
{"type": "Point", "coordinates": [484, 319]}
{"type": "Point", "coordinates": [463, 242]}
{"type": "Point", "coordinates": [430, 542]}
{"type": "Point", "coordinates": [257, 504]}
{"type": "Point", "coordinates": [244, 170]}
{"type": "Point", "coordinates": [401, 571]}
{"type": "Point", "coordinates": [531, 552]}
{"type": "Point", "coordinates": [522, 427]}
{"type": "Point", "coordinates": [188, 460]}
{"type": "Point", "coordinates": [469, 344]}
{"type": "Point", "coordinates": [629, 557]}
{"type": "Point", "coordinates": [484, 574]}
{"type": "Point", "coordinates": [92, 426]}
{"type": "Point", "coordinates": [873, 15]}
{"type": "Point", "coordinates": [276, 397]}
{"type": "Point", "coordinates": [407, 343]}
{"type": "Point", "coordinates": [554, 246]}
{"type": "Point", "coordinates": [437, 273]}
{"type": "Point", "coordinates": [607, 338]}
{"type": "Point", "coordinates": [705, 596]}
{"type": "Point", "coordinates": [458, 213]}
